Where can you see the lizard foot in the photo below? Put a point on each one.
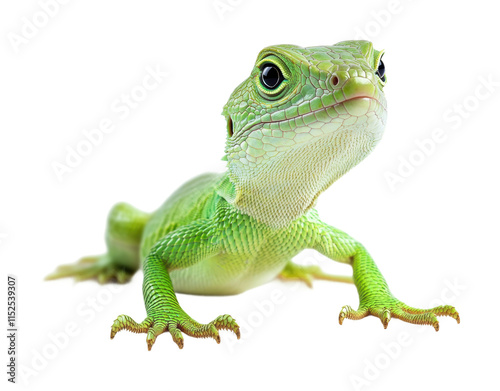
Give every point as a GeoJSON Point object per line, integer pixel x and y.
{"type": "Point", "coordinates": [100, 268]}
{"type": "Point", "coordinates": [388, 308]}
{"type": "Point", "coordinates": [155, 325]}
{"type": "Point", "coordinates": [306, 274]}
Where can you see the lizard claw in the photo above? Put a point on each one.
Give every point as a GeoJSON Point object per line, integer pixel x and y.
{"type": "Point", "coordinates": [393, 308]}
{"type": "Point", "coordinates": [102, 268]}
{"type": "Point", "coordinates": [157, 324]}
{"type": "Point", "coordinates": [385, 317]}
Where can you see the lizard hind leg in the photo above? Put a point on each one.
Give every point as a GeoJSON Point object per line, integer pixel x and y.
{"type": "Point", "coordinates": [307, 274]}
{"type": "Point", "coordinates": [123, 237]}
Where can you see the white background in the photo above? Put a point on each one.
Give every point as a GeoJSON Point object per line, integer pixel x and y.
{"type": "Point", "coordinates": [436, 229]}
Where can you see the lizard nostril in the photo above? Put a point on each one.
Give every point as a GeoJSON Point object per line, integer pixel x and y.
{"type": "Point", "coordinates": [335, 80]}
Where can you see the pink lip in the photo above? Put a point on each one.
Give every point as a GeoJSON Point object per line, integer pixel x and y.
{"type": "Point", "coordinates": [358, 97]}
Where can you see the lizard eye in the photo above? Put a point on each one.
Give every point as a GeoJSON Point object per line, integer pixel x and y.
{"type": "Point", "coordinates": [270, 76]}
{"type": "Point", "coordinates": [381, 70]}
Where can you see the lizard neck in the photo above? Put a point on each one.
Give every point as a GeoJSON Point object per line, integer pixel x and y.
{"type": "Point", "coordinates": [277, 191]}
{"type": "Point", "coordinates": [273, 202]}
{"type": "Point", "coordinates": [281, 191]}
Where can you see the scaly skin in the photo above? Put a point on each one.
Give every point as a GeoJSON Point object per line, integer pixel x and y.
{"type": "Point", "coordinates": [291, 134]}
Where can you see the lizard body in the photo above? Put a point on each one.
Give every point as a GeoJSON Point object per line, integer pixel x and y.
{"type": "Point", "coordinates": [302, 119]}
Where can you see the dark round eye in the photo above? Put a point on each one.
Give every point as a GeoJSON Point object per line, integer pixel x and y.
{"type": "Point", "coordinates": [270, 76]}
{"type": "Point", "coordinates": [381, 70]}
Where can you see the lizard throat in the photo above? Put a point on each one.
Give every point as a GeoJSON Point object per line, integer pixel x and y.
{"type": "Point", "coordinates": [282, 190]}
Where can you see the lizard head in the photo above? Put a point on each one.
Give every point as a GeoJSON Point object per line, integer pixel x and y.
{"type": "Point", "coordinates": [302, 119]}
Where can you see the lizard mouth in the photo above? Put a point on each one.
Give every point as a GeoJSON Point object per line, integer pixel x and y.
{"type": "Point", "coordinates": [352, 106]}
{"type": "Point", "coordinates": [359, 105]}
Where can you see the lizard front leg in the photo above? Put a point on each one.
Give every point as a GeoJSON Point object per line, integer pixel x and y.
{"type": "Point", "coordinates": [179, 249]}
{"type": "Point", "coordinates": [375, 297]}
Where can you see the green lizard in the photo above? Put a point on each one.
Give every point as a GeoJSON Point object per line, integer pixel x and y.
{"type": "Point", "coordinates": [302, 119]}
